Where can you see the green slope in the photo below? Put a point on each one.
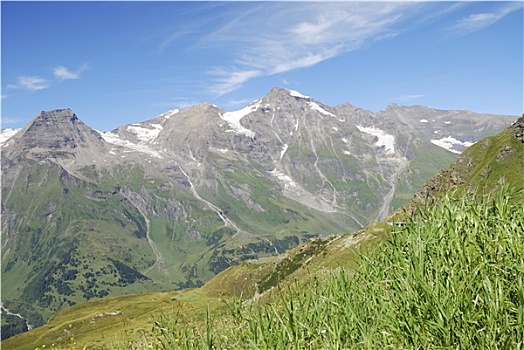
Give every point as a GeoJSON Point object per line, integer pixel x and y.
{"type": "Point", "coordinates": [481, 168]}
{"type": "Point", "coordinates": [109, 322]}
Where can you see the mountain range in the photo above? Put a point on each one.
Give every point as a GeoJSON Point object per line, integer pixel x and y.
{"type": "Point", "coordinates": [170, 202]}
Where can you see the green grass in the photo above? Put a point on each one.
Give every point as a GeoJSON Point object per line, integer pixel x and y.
{"type": "Point", "coordinates": [453, 281]}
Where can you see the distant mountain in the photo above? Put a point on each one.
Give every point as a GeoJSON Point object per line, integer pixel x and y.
{"type": "Point", "coordinates": [172, 201]}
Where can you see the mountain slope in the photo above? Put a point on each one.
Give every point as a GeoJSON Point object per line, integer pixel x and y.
{"type": "Point", "coordinates": [172, 201]}
{"type": "Point", "coordinates": [481, 168]}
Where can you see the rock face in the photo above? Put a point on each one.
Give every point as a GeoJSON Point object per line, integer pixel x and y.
{"type": "Point", "coordinates": [518, 128]}
{"type": "Point", "coordinates": [57, 136]}
{"type": "Point", "coordinates": [169, 202]}
{"type": "Point", "coordinates": [57, 130]}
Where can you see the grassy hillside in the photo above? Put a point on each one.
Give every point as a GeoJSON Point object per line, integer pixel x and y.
{"type": "Point", "coordinates": [480, 168]}
{"type": "Point", "coordinates": [454, 281]}
{"type": "Point", "coordinates": [111, 322]}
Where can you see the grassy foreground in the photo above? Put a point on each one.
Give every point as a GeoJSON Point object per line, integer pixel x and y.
{"type": "Point", "coordinates": [453, 281]}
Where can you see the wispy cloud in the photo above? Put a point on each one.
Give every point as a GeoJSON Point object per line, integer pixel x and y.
{"type": "Point", "coordinates": [406, 98]}
{"type": "Point", "coordinates": [30, 82]}
{"type": "Point", "coordinates": [62, 73]}
{"type": "Point", "coordinates": [9, 121]}
{"type": "Point", "coordinates": [231, 104]}
{"type": "Point", "coordinates": [478, 21]}
{"type": "Point", "coordinates": [36, 83]}
{"type": "Point", "coordinates": [230, 80]}
{"type": "Point", "coordinates": [178, 102]}
{"type": "Point", "coordinates": [280, 37]}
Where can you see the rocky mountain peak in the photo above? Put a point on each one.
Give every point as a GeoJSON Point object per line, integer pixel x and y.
{"type": "Point", "coordinates": [57, 136]}
{"type": "Point", "coordinates": [57, 129]}
{"type": "Point", "coordinates": [57, 115]}
{"type": "Point", "coordinates": [282, 97]}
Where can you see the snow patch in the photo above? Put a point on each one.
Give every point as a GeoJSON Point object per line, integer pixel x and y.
{"type": "Point", "coordinates": [335, 128]}
{"type": "Point", "coordinates": [424, 121]}
{"type": "Point", "coordinates": [447, 122]}
{"type": "Point", "coordinates": [233, 119]}
{"type": "Point", "coordinates": [116, 140]}
{"type": "Point", "coordinates": [144, 134]}
{"type": "Point", "coordinates": [283, 150]}
{"type": "Point", "coordinates": [317, 108]}
{"type": "Point", "coordinates": [288, 182]}
{"type": "Point", "coordinates": [344, 140]}
{"type": "Point", "coordinates": [168, 114]}
{"type": "Point", "coordinates": [296, 94]}
{"type": "Point", "coordinates": [6, 134]}
{"type": "Point", "coordinates": [384, 139]}
{"type": "Point", "coordinates": [449, 142]}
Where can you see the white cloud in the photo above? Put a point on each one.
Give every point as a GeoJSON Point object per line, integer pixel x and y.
{"type": "Point", "coordinates": [228, 81]}
{"type": "Point", "coordinates": [238, 103]}
{"type": "Point", "coordinates": [277, 37]}
{"type": "Point", "coordinates": [178, 103]}
{"type": "Point", "coordinates": [406, 97]}
{"type": "Point", "coordinates": [30, 82]}
{"type": "Point", "coordinates": [8, 120]}
{"type": "Point", "coordinates": [479, 21]}
{"type": "Point", "coordinates": [63, 73]}
{"type": "Point", "coordinates": [35, 83]}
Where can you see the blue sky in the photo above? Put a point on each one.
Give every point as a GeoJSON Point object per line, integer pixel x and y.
{"type": "Point", "coordinates": [123, 62]}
